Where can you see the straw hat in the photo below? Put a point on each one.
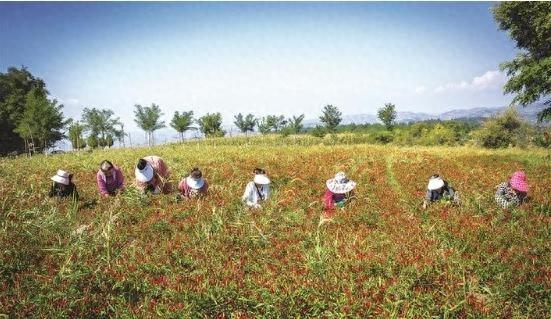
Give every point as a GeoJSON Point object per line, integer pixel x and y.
{"type": "Point", "coordinates": [261, 179]}
{"type": "Point", "coordinates": [61, 177]}
{"type": "Point", "coordinates": [144, 175]}
{"type": "Point", "coordinates": [435, 183]}
{"type": "Point", "coordinates": [518, 182]}
{"type": "Point", "coordinates": [340, 184]}
{"type": "Point", "coordinates": [195, 183]}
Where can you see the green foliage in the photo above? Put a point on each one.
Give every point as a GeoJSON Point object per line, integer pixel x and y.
{"type": "Point", "coordinates": [101, 126]}
{"type": "Point", "coordinates": [182, 122]}
{"type": "Point", "coordinates": [245, 123]}
{"type": "Point", "coordinates": [529, 25]}
{"type": "Point", "coordinates": [75, 134]}
{"type": "Point", "coordinates": [148, 119]}
{"type": "Point", "coordinates": [15, 84]}
{"type": "Point", "coordinates": [42, 120]}
{"type": "Point", "coordinates": [294, 124]}
{"type": "Point", "coordinates": [318, 131]}
{"type": "Point", "coordinates": [504, 130]}
{"type": "Point", "coordinates": [387, 115]}
{"type": "Point", "coordinates": [271, 124]}
{"type": "Point", "coordinates": [383, 137]}
{"type": "Point", "coordinates": [331, 117]}
{"type": "Point", "coordinates": [211, 125]}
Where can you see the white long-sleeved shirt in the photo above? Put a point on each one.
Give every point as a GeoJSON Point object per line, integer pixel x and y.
{"type": "Point", "coordinates": [250, 196]}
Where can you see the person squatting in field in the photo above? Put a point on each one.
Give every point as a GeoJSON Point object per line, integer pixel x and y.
{"type": "Point", "coordinates": [257, 190]}
{"type": "Point", "coordinates": [339, 191]}
{"type": "Point", "coordinates": [512, 193]}
{"type": "Point", "coordinates": [110, 179]}
{"type": "Point", "coordinates": [63, 185]}
{"type": "Point", "coordinates": [194, 185]}
{"type": "Point", "coordinates": [152, 175]}
{"type": "Point", "coordinates": [439, 189]}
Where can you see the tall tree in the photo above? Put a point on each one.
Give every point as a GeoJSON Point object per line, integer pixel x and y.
{"type": "Point", "coordinates": [528, 24]}
{"type": "Point", "coordinates": [148, 119]}
{"type": "Point", "coordinates": [75, 134]}
{"type": "Point", "coordinates": [211, 125]}
{"type": "Point", "coordinates": [182, 122]}
{"type": "Point", "coordinates": [245, 123]}
{"type": "Point", "coordinates": [331, 117]}
{"type": "Point", "coordinates": [42, 121]}
{"type": "Point", "coordinates": [15, 84]}
{"type": "Point", "coordinates": [271, 123]}
{"type": "Point", "coordinates": [295, 124]}
{"type": "Point", "coordinates": [387, 114]}
{"type": "Point", "coordinates": [101, 125]}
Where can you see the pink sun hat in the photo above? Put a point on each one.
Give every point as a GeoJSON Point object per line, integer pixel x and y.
{"type": "Point", "coordinates": [518, 182]}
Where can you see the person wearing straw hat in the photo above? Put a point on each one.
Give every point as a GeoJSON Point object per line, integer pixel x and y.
{"type": "Point", "coordinates": [512, 193]}
{"type": "Point", "coordinates": [438, 189]}
{"type": "Point", "coordinates": [109, 179]}
{"type": "Point", "coordinates": [63, 186]}
{"type": "Point", "coordinates": [257, 190]}
{"type": "Point", "coordinates": [339, 190]}
{"type": "Point", "coordinates": [194, 185]}
{"type": "Point", "coordinates": [152, 175]}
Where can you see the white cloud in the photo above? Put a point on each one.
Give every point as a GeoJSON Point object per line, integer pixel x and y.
{"type": "Point", "coordinates": [488, 80]}
{"type": "Point", "coordinates": [420, 90]}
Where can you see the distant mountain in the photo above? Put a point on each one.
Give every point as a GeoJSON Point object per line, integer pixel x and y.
{"type": "Point", "coordinates": [529, 113]}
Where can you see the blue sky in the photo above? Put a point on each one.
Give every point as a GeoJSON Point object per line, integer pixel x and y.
{"type": "Point", "coordinates": [263, 58]}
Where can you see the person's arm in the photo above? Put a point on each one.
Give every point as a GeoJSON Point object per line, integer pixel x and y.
{"type": "Point", "coordinates": [266, 192]}
{"type": "Point", "coordinates": [102, 187]}
{"type": "Point", "coordinates": [205, 187]}
{"type": "Point", "coordinates": [120, 179]}
{"type": "Point", "coordinates": [328, 202]}
{"type": "Point", "coordinates": [52, 190]}
{"type": "Point", "coordinates": [182, 187]}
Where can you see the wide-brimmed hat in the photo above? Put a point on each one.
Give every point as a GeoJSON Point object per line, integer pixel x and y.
{"type": "Point", "coordinates": [61, 177]}
{"type": "Point", "coordinates": [144, 175]}
{"type": "Point", "coordinates": [261, 179]}
{"type": "Point", "coordinates": [518, 181]}
{"type": "Point", "coordinates": [340, 184]}
{"type": "Point", "coordinates": [435, 183]}
{"type": "Point", "coordinates": [195, 183]}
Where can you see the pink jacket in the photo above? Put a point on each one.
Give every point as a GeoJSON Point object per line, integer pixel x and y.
{"type": "Point", "coordinates": [161, 174]}
{"type": "Point", "coordinates": [107, 185]}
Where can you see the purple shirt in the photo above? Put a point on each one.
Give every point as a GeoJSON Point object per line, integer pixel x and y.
{"type": "Point", "coordinates": [109, 184]}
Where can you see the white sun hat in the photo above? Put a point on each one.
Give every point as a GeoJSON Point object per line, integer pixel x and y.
{"type": "Point", "coordinates": [340, 184]}
{"type": "Point", "coordinates": [144, 175]}
{"type": "Point", "coordinates": [61, 177]}
{"type": "Point", "coordinates": [435, 183]}
{"type": "Point", "coordinates": [261, 179]}
{"type": "Point", "coordinates": [195, 183]}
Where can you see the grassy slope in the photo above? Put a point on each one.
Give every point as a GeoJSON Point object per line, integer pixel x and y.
{"type": "Point", "coordinates": [381, 256]}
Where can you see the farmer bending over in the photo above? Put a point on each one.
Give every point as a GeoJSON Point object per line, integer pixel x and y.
{"type": "Point", "coordinates": [438, 189]}
{"type": "Point", "coordinates": [194, 185]}
{"type": "Point", "coordinates": [257, 190]}
{"type": "Point", "coordinates": [512, 193]}
{"type": "Point", "coordinates": [339, 190]}
{"type": "Point", "coordinates": [152, 175]}
{"type": "Point", "coordinates": [63, 186]}
{"type": "Point", "coordinates": [109, 179]}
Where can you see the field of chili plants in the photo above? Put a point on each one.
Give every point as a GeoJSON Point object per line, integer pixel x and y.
{"type": "Point", "coordinates": [381, 256]}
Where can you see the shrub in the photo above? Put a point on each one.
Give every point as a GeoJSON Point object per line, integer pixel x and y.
{"type": "Point", "coordinates": [503, 130]}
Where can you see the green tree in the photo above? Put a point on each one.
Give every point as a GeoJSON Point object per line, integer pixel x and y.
{"type": "Point", "coordinates": [75, 134]}
{"type": "Point", "coordinates": [15, 84]}
{"type": "Point", "coordinates": [245, 123]}
{"type": "Point", "coordinates": [101, 124]}
{"type": "Point", "coordinates": [182, 122]}
{"type": "Point", "coordinates": [318, 131]}
{"type": "Point", "coordinates": [387, 115]}
{"type": "Point", "coordinates": [504, 130]}
{"type": "Point", "coordinates": [529, 25]}
{"type": "Point", "coordinates": [148, 119]}
{"type": "Point", "coordinates": [42, 121]}
{"type": "Point", "coordinates": [295, 124]}
{"type": "Point", "coordinates": [211, 125]}
{"type": "Point", "coordinates": [331, 117]}
{"type": "Point", "coordinates": [271, 124]}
